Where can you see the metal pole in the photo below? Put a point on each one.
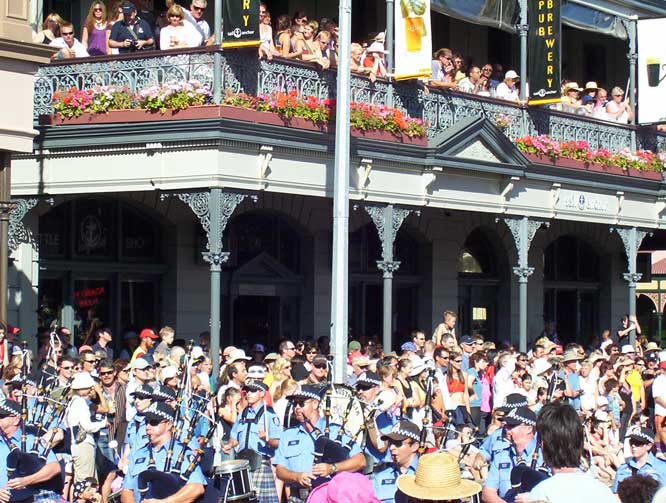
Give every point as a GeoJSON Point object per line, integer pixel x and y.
{"type": "Point", "coordinates": [632, 309]}
{"type": "Point", "coordinates": [631, 92]}
{"type": "Point", "coordinates": [214, 258]}
{"type": "Point", "coordinates": [340, 272]}
{"type": "Point", "coordinates": [659, 314]}
{"type": "Point", "coordinates": [387, 322]}
{"type": "Point", "coordinates": [522, 313]}
{"type": "Point", "coordinates": [217, 57]}
{"type": "Point", "coordinates": [522, 30]}
{"type": "Point", "coordinates": [5, 196]}
{"type": "Point", "coordinates": [390, 57]}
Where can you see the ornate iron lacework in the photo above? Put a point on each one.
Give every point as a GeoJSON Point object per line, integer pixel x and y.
{"type": "Point", "coordinates": [18, 232]}
{"type": "Point", "coordinates": [440, 109]}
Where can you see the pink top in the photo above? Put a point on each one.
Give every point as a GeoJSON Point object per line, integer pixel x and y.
{"type": "Point", "coordinates": [486, 394]}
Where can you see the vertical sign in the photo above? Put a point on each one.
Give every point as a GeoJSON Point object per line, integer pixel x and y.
{"type": "Point", "coordinates": [413, 46]}
{"type": "Point", "coordinates": [240, 24]}
{"type": "Point", "coordinates": [651, 71]}
{"type": "Point", "coordinates": [543, 54]}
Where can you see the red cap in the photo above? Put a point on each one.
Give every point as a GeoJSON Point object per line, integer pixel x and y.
{"type": "Point", "coordinates": [147, 333]}
{"type": "Point", "coordinates": [662, 365]}
{"type": "Point", "coordinates": [13, 330]}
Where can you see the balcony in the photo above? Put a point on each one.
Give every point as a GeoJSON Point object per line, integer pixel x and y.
{"type": "Point", "coordinates": [241, 71]}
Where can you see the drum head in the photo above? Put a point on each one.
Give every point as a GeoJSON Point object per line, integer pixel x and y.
{"type": "Point", "coordinates": [341, 396]}
{"type": "Point", "coordinates": [233, 466]}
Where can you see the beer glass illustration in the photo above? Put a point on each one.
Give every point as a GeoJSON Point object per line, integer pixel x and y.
{"type": "Point", "coordinates": [654, 68]}
{"type": "Point", "coordinates": [415, 28]}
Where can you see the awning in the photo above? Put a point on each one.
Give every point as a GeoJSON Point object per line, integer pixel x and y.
{"type": "Point", "coordinates": [581, 14]}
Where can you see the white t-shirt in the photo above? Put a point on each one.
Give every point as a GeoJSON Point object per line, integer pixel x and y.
{"type": "Point", "coordinates": [575, 487]}
{"type": "Point", "coordinates": [659, 390]}
{"type": "Point", "coordinates": [184, 36]}
{"type": "Point", "coordinates": [506, 93]}
{"type": "Point", "coordinates": [80, 50]}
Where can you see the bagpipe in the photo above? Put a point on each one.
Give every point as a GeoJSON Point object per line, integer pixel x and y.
{"type": "Point", "coordinates": [160, 484]}
{"type": "Point", "coordinates": [21, 461]}
{"type": "Point", "coordinates": [342, 408]}
{"type": "Point", "coordinates": [525, 477]}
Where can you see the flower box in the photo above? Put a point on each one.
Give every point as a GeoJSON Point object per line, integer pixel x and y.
{"type": "Point", "coordinates": [563, 162]}
{"type": "Point", "coordinates": [134, 115]}
{"type": "Point", "coordinates": [269, 118]}
{"type": "Point", "coordinates": [377, 134]}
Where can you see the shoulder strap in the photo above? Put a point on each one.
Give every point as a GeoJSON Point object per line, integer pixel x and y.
{"type": "Point", "coordinates": [249, 425]}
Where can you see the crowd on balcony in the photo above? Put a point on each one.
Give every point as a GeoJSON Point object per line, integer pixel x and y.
{"type": "Point", "coordinates": [131, 26]}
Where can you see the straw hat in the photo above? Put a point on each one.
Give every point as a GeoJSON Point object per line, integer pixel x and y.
{"type": "Point", "coordinates": [437, 478]}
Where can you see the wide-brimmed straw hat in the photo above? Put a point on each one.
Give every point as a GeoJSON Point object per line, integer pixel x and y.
{"type": "Point", "coordinates": [437, 478]}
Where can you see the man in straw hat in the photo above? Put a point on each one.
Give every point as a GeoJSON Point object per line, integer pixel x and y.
{"type": "Point", "coordinates": [437, 478]}
{"type": "Point", "coordinates": [561, 437]}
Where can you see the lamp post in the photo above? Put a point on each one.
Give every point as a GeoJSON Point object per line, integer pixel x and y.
{"type": "Point", "coordinates": [340, 272]}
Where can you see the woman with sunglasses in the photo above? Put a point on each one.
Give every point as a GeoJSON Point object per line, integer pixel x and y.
{"type": "Point", "coordinates": [50, 29]}
{"type": "Point", "coordinates": [458, 404]}
{"type": "Point", "coordinates": [179, 33]}
{"type": "Point", "coordinates": [279, 372]}
{"type": "Point", "coordinates": [96, 30]}
{"type": "Point", "coordinates": [310, 350]}
{"type": "Point", "coordinates": [618, 110]}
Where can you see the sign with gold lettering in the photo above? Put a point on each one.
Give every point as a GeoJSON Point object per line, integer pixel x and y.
{"type": "Point", "coordinates": [240, 26]}
{"type": "Point", "coordinates": [544, 56]}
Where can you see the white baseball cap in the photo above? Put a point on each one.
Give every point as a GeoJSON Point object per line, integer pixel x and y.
{"type": "Point", "coordinates": [237, 354]}
{"type": "Point", "coordinates": [82, 380]}
{"type": "Point", "coordinates": [627, 349]}
{"type": "Point", "coordinates": [511, 75]}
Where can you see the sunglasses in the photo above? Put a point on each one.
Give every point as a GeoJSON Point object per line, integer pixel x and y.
{"type": "Point", "coordinates": [320, 366]}
{"type": "Point", "coordinates": [636, 443]}
{"type": "Point", "coordinates": [457, 361]}
{"type": "Point", "coordinates": [97, 9]}
{"type": "Point", "coordinates": [198, 9]}
{"type": "Point", "coordinates": [293, 348]}
{"type": "Point", "coordinates": [299, 402]}
{"type": "Point", "coordinates": [444, 357]}
{"type": "Point", "coordinates": [67, 34]}
{"type": "Point", "coordinates": [399, 443]}
{"type": "Point", "coordinates": [312, 352]}
{"type": "Point", "coordinates": [89, 361]}
{"type": "Point", "coordinates": [155, 422]}
{"type": "Point", "coordinates": [67, 368]}
{"type": "Point", "coordinates": [109, 372]}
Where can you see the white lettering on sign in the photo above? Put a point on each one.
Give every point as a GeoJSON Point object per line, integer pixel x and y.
{"type": "Point", "coordinates": [580, 201]}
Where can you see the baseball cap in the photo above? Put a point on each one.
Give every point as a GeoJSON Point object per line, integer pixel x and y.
{"type": "Point", "coordinates": [403, 430]}
{"type": "Point", "coordinates": [147, 333]}
{"type": "Point", "coordinates": [627, 349]}
{"type": "Point", "coordinates": [408, 346]}
{"type": "Point", "coordinates": [511, 75]}
{"type": "Point", "coordinates": [354, 346]}
{"type": "Point", "coordinates": [237, 354]}
{"type": "Point", "coordinates": [128, 8]}
{"type": "Point", "coordinates": [82, 380]}
{"type": "Point", "coordinates": [141, 363]}
{"type": "Point", "coordinates": [467, 339]}
{"type": "Point", "coordinates": [256, 372]}
{"type": "Point", "coordinates": [258, 348]}
{"type": "Point", "coordinates": [168, 372]}
{"type": "Point", "coordinates": [361, 361]}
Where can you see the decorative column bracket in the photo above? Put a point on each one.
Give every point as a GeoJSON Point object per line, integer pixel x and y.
{"type": "Point", "coordinates": [18, 232]}
{"type": "Point", "coordinates": [212, 206]}
{"type": "Point", "coordinates": [631, 239]}
{"type": "Point", "coordinates": [523, 231]}
{"type": "Point", "coordinates": [387, 220]}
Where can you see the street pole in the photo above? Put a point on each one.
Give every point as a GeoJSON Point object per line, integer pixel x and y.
{"type": "Point", "coordinates": [631, 92]}
{"type": "Point", "coordinates": [217, 57]}
{"type": "Point", "coordinates": [5, 208]}
{"type": "Point", "coordinates": [340, 272]}
{"type": "Point", "coordinates": [522, 31]}
{"type": "Point", "coordinates": [215, 258]}
{"type": "Point", "coordinates": [390, 57]}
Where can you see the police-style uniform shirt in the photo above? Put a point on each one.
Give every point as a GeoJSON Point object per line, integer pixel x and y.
{"type": "Point", "coordinates": [254, 420]}
{"type": "Point", "coordinates": [139, 461]}
{"type": "Point", "coordinates": [503, 459]}
{"type": "Point", "coordinates": [653, 467]}
{"type": "Point", "coordinates": [6, 446]}
{"type": "Point", "coordinates": [296, 449]}
{"type": "Point", "coordinates": [490, 443]}
{"type": "Point", "coordinates": [385, 422]}
{"type": "Point", "coordinates": [386, 482]}
{"type": "Point", "coordinates": [136, 434]}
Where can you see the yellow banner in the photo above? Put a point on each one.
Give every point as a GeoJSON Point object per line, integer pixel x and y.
{"type": "Point", "coordinates": [413, 42]}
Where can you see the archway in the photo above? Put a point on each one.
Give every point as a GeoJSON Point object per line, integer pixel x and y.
{"type": "Point", "coordinates": [571, 288]}
{"type": "Point", "coordinates": [483, 289]}
{"type": "Point", "coordinates": [265, 277]}
{"type": "Point", "coordinates": [102, 263]}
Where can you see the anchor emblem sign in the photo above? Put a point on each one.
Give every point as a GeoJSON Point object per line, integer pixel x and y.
{"type": "Point", "coordinates": [91, 235]}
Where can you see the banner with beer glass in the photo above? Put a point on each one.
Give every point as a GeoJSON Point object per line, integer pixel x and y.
{"type": "Point", "coordinates": [240, 24]}
{"type": "Point", "coordinates": [543, 51]}
{"type": "Point", "coordinates": [413, 45]}
{"type": "Point", "coordinates": [651, 71]}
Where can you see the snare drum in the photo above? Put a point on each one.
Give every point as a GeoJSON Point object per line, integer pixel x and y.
{"type": "Point", "coordinates": [232, 479]}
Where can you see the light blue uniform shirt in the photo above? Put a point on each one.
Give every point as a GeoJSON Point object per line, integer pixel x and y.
{"type": "Point", "coordinates": [504, 458]}
{"type": "Point", "coordinates": [136, 435]}
{"type": "Point", "coordinates": [6, 448]}
{"type": "Point", "coordinates": [385, 422]}
{"type": "Point", "coordinates": [489, 443]}
{"type": "Point", "coordinates": [139, 460]}
{"type": "Point", "coordinates": [296, 449]}
{"type": "Point", "coordinates": [654, 468]}
{"type": "Point", "coordinates": [385, 481]}
{"type": "Point", "coordinates": [267, 419]}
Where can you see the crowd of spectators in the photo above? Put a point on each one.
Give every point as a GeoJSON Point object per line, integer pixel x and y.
{"type": "Point", "coordinates": [130, 27]}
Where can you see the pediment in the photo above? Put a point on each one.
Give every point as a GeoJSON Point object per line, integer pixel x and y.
{"type": "Point", "coordinates": [264, 267]}
{"type": "Point", "coordinates": [477, 139]}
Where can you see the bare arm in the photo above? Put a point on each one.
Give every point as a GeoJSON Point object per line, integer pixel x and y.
{"type": "Point", "coordinates": [489, 495]}
{"type": "Point", "coordinates": [127, 496]}
{"type": "Point", "coordinates": [84, 36]}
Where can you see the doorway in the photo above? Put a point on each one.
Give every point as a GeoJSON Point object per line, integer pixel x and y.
{"type": "Point", "coordinates": [256, 319]}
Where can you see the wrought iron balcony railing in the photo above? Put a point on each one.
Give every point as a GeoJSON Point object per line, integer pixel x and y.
{"type": "Point", "coordinates": [241, 71]}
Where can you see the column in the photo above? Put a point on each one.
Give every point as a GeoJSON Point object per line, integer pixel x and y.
{"type": "Point", "coordinates": [5, 209]}
{"type": "Point", "coordinates": [213, 210]}
{"type": "Point", "coordinates": [631, 239]}
{"type": "Point", "coordinates": [387, 220]}
{"type": "Point", "coordinates": [523, 231]}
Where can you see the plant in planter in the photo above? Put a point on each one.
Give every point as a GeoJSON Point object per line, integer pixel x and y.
{"type": "Point", "coordinates": [106, 98]}
{"type": "Point", "coordinates": [539, 145]}
{"type": "Point", "coordinates": [364, 116]}
{"type": "Point", "coordinates": [174, 96]}
{"type": "Point", "coordinates": [73, 102]}
{"type": "Point", "coordinates": [503, 121]}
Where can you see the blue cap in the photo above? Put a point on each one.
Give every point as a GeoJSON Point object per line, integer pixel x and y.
{"type": "Point", "coordinates": [408, 346]}
{"type": "Point", "coordinates": [128, 8]}
{"type": "Point", "coordinates": [466, 339]}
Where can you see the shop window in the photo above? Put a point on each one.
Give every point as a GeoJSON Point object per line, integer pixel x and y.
{"type": "Point", "coordinates": [477, 256]}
